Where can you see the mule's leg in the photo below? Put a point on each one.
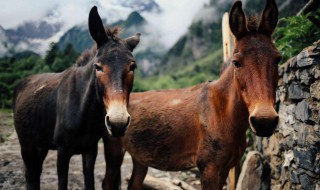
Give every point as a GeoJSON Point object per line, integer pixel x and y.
{"type": "Point", "coordinates": [88, 161]}
{"type": "Point", "coordinates": [41, 154]}
{"type": "Point", "coordinates": [63, 168]}
{"type": "Point", "coordinates": [138, 174]}
{"type": "Point", "coordinates": [113, 153]}
{"type": "Point", "coordinates": [33, 159]}
{"type": "Point", "coordinates": [212, 177]}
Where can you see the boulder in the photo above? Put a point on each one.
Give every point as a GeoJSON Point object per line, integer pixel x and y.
{"type": "Point", "coordinates": [255, 174]}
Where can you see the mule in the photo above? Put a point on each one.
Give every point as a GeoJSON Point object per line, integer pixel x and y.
{"type": "Point", "coordinates": [205, 125]}
{"type": "Point", "coordinates": [70, 111]}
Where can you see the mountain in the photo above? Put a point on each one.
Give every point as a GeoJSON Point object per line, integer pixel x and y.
{"type": "Point", "coordinates": [141, 5]}
{"type": "Point", "coordinates": [5, 44]}
{"type": "Point", "coordinates": [36, 35]}
{"type": "Point", "coordinates": [30, 36]}
{"type": "Point", "coordinates": [80, 38]}
{"type": "Point", "coordinates": [204, 34]}
{"type": "Point", "coordinates": [147, 54]}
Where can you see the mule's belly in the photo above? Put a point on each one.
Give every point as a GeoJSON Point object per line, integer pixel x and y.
{"type": "Point", "coordinates": [165, 147]}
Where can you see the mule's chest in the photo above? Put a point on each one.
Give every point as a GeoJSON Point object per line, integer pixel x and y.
{"type": "Point", "coordinates": [79, 139]}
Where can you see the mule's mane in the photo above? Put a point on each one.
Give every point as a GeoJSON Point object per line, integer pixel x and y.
{"type": "Point", "coordinates": [252, 24]}
{"type": "Point", "coordinates": [113, 33]}
{"type": "Point", "coordinates": [87, 55]}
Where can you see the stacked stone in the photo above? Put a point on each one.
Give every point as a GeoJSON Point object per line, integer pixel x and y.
{"type": "Point", "coordinates": [293, 151]}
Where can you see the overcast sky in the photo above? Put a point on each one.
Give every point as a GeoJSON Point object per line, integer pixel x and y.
{"type": "Point", "coordinates": [173, 21]}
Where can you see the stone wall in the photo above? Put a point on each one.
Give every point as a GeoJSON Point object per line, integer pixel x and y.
{"type": "Point", "coordinates": [293, 152]}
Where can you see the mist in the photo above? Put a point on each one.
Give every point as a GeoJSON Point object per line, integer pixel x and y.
{"type": "Point", "coordinates": [169, 24]}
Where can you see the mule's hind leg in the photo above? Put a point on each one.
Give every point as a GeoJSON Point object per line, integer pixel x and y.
{"type": "Point", "coordinates": [88, 161]}
{"type": "Point", "coordinates": [33, 158]}
{"type": "Point", "coordinates": [138, 174]}
{"type": "Point", "coordinates": [114, 156]}
{"type": "Point", "coordinates": [63, 168]}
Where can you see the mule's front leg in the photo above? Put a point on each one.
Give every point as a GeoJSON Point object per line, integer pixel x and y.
{"type": "Point", "coordinates": [139, 172]}
{"type": "Point", "coordinates": [113, 153]}
{"type": "Point", "coordinates": [63, 168]}
{"type": "Point", "coordinates": [212, 177]}
{"type": "Point", "coordinates": [88, 161]}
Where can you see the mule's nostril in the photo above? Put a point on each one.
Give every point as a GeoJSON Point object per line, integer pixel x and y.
{"type": "Point", "coordinates": [252, 120]}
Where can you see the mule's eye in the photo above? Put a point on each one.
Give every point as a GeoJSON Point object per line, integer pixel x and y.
{"type": "Point", "coordinates": [98, 67]}
{"type": "Point", "coordinates": [133, 67]}
{"type": "Point", "coordinates": [236, 63]}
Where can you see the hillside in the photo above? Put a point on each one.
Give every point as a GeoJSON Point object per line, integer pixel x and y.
{"type": "Point", "coordinates": [199, 50]}
{"type": "Point", "coordinates": [204, 34]}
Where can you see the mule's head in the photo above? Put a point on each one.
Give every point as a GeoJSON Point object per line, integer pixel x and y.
{"type": "Point", "coordinates": [255, 59]}
{"type": "Point", "coordinates": [114, 67]}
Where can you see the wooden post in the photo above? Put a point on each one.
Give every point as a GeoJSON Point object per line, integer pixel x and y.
{"type": "Point", "coordinates": [227, 38]}
{"type": "Point", "coordinates": [228, 46]}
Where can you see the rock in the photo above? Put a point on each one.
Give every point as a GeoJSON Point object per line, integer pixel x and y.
{"type": "Point", "coordinates": [294, 177]}
{"type": "Point", "coordinates": [152, 183]}
{"type": "Point", "coordinates": [280, 71]}
{"type": "Point", "coordinates": [316, 72]}
{"type": "Point", "coordinates": [182, 184]}
{"type": "Point", "coordinates": [306, 182]}
{"type": "Point", "coordinates": [254, 173]}
{"type": "Point", "coordinates": [281, 93]}
{"type": "Point", "coordinates": [307, 57]}
{"type": "Point", "coordinates": [297, 92]}
{"type": "Point", "coordinates": [288, 77]}
{"type": "Point", "coordinates": [315, 90]}
{"type": "Point", "coordinates": [288, 158]}
{"type": "Point", "coordinates": [305, 77]}
{"type": "Point", "coordinates": [293, 62]}
{"type": "Point", "coordinates": [305, 159]}
{"type": "Point", "coordinates": [302, 111]}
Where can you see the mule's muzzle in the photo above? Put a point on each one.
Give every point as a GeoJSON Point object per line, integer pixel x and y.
{"type": "Point", "coordinates": [264, 121]}
{"type": "Point", "coordinates": [117, 126]}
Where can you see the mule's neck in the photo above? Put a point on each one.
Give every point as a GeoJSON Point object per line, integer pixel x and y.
{"type": "Point", "coordinates": [89, 92]}
{"type": "Point", "coordinates": [230, 112]}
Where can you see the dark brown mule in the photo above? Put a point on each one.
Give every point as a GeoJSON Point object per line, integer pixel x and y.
{"type": "Point", "coordinates": [205, 125]}
{"type": "Point", "coordinates": [68, 111]}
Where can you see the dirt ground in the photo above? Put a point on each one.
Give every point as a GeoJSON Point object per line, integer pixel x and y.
{"type": "Point", "coordinates": [12, 168]}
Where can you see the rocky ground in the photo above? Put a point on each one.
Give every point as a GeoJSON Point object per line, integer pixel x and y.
{"type": "Point", "coordinates": [12, 169]}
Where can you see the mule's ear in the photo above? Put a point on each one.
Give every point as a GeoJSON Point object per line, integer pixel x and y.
{"type": "Point", "coordinates": [269, 18]}
{"type": "Point", "coordinates": [133, 41]}
{"type": "Point", "coordinates": [237, 20]}
{"type": "Point", "coordinates": [96, 28]}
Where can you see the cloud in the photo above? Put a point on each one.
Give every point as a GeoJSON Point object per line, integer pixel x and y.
{"type": "Point", "coordinates": [175, 19]}
{"type": "Point", "coordinates": [14, 12]}
{"type": "Point", "coordinates": [171, 23]}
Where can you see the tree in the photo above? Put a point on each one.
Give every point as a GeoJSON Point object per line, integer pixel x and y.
{"type": "Point", "coordinates": [52, 53]}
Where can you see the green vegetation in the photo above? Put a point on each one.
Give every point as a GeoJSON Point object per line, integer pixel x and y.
{"type": "Point", "coordinates": [294, 34]}
{"type": "Point", "coordinates": [207, 68]}
{"type": "Point", "coordinates": [15, 68]}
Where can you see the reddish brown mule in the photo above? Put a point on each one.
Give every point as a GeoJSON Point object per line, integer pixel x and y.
{"type": "Point", "coordinates": [205, 125]}
{"type": "Point", "coordinates": [70, 111]}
